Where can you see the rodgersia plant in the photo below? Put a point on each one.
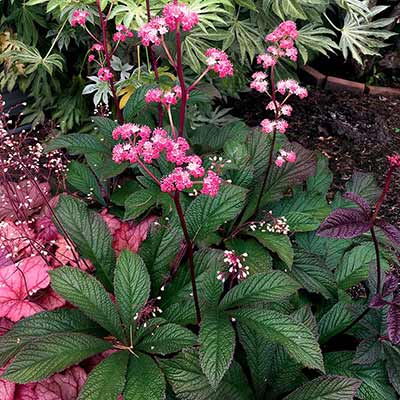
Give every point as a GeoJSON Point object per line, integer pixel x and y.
{"type": "Point", "coordinates": [205, 278]}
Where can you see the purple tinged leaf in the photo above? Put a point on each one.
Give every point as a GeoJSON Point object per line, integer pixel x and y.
{"type": "Point", "coordinates": [390, 285]}
{"type": "Point", "coordinates": [345, 223]}
{"type": "Point", "coordinates": [393, 322]}
{"type": "Point", "coordinates": [396, 299]}
{"type": "Point", "coordinates": [360, 201]}
{"type": "Point", "coordinates": [377, 301]}
{"type": "Point", "coordinates": [391, 232]}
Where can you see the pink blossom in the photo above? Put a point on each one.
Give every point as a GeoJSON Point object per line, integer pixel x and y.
{"type": "Point", "coordinates": [168, 97]}
{"type": "Point", "coordinates": [194, 166]}
{"type": "Point", "coordinates": [236, 270]}
{"type": "Point", "coordinates": [219, 62]}
{"type": "Point", "coordinates": [284, 156]}
{"type": "Point", "coordinates": [266, 60]}
{"type": "Point", "coordinates": [287, 110]}
{"type": "Point", "coordinates": [394, 160]}
{"type": "Point", "coordinates": [122, 33]}
{"type": "Point", "coordinates": [18, 283]}
{"type": "Point", "coordinates": [179, 180]}
{"type": "Point", "coordinates": [97, 47]}
{"type": "Point", "coordinates": [281, 125]}
{"type": "Point", "coordinates": [211, 184]}
{"type": "Point", "coordinates": [120, 153]}
{"type": "Point", "coordinates": [291, 157]}
{"type": "Point", "coordinates": [154, 95]}
{"type": "Point", "coordinates": [279, 162]}
{"type": "Point", "coordinates": [104, 74]}
{"type": "Point", "coordinates": [267, 125]}
{"type": "Point", "coordinates": [91, 58]}
{"type": "Point", "coordinates": [79, 17]}
{"type": "Point", "coordinates": [259, 82]}
{"type": "Point", "coordinates": [151, 32]}
{"type": "Point", "coordinates": [180, 14]}
{"type": "Point", "coordinates": [125, 131]}
{"type": "Point", "coordinates": [176, 151]}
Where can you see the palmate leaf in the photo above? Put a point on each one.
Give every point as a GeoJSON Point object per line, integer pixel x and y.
{"type": "Point", "coordinates": [90, 235]}
{"type": "Point", "coordinates": [327, 388]}
{"type": "Point", "coordinates": [273, 286]}
{"type": "Point", "coordinates": [315, 39]}
{"type": "Point", "coordinates": [47, 355]}
{"type": "Point", "coordinates": [281, 329]}
{"type": "Point", "coordinates": [364, 36]}
{"type": "Point", "coordinates": [107, 379]}
{"type": "Point", "coordinates": [217, 345]}
{"type": "Point", "coordinates": [132, 286]}
{"type": "Point", "coordinates": [85, 292]}
{"type": "Point", "coordinates": [145, 381]}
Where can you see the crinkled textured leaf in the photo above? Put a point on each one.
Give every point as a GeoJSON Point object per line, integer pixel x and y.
{"type": "Point", "coordinates": [86, 293]}
{"type": "Point", "coordinates": [90, 234]}
{"type": "Point", "coordinates": [359, 201]}
{"type": "Point", "coordinates": [392, 355]}
{"type": "Point", "coordinates": [327, 388]}
{"type": "Point", "coordinates": [47, 355]}
{"type": "Point", "coordinates": [393, 324]}
{"type": "Point", "coordinates": [273, 286]}
{"type": "Point", "coordinates": [217, 345]}
{"type": "Point", "coordinates": [391, 232]}
{"type": "Point", "coordinates": [107, 379]}
{"type": "Point", "coordinates": [278, 328]}
{"type": "Point", "coordinates": [139, 202]}
{"type": "Point", "coordinates": [368, 351]}
{"type": "Point", "coordinates": [205, 214]}
{"type": "Point", "coordinates": [167, 339]}
{"type": "Point", "coordinates": [77, 143]}
{"type": "Point", "coordinates": [144, 381]}
{"type": "Point", "coordinates": [345, 223]}
{"type": "Point", "coordinates": [132, 286]}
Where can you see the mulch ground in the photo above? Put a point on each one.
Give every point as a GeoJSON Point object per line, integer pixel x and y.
{"type": "Point", "coordinates": [355, 133]}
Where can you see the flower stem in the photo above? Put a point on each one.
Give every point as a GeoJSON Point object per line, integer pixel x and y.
{"type": "Point", "coordinates": [382, 197]}
{"type": "Point", "coordinates": [154, 65]}
{"type": "Point", "coordinates": [179, 70]}
{"type": "Point", "coordinates": [103, 23]}
{"type": "Point", "coordinates": [190, 254]}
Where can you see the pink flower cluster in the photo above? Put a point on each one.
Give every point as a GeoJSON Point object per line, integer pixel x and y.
{"type": "Point", "coordinates": [169, 97]}
{"type": "Point", "coordinates": [290, 86]}
{"type": "Point", "coordinates": [152, 31]}
{"type": "Point", "coordinates": [285, 109]}
{"type": "Point", "coordinates": [105, 74]}
{"type": "Point", "coordinates": [79, 17]}
{"type": "Point", "coordinates": [284, 156]}
{"type": "Point", "coordinates": [143, 144]}
{"type": "Point", "coordinates": [283, 38]}
{"type": "Point", "coordinates": [219, 62]}
{"type": "Point", "coordinates": [394, 160]}
{"type": "Point", "coordinates": [236, 270]}
{"type": "Point", "coordinates": [122, 33]}
{"type": "Point", "coordinates": [269, 126]}
{"type": "Point", "coordinates": [259, 82]}
{"type": "Point", "coordinates": [179, 14]}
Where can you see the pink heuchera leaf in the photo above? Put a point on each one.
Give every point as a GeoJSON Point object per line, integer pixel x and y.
{"type": "Point", "coordinates": [345, 223]}
{"type": "Point", "coordinates": [50, 300]}
{"type": "Point", "coordinates": [5, 326]}
{"type": "Point", "coordinates": [113, 223]}
{"type": "Point", "coordinates": [15, 240]}
{"type": "Point", "coordinates": [65, 255]}
{"type": "Point", "coordinates": [19, 282]}
{"type": "Point", "coordinates": [26, 392]}
{"type": "Point", "coordinates": [47, 231]}
{"type": "Point", "coordinates": [393, 322]}
{"type": "Point", "coordinates": [7, 389]}
{"type": "Point", "coordinates": [62, 386]}
{"type": "Point", "coordinates": [25, 196]}
{"type": "Point", "coordinates": [5, 258]}
{"type": "Point", "coordinates": [131, 235]}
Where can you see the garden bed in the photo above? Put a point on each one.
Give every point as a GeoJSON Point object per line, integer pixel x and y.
{"type": "Point", "coordinates": [356, 132]}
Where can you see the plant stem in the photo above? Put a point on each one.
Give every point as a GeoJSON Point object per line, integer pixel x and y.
{"type": "Point", "coordinates": [179, 70]}
{"type": "Point", "coordinates": [271, 151]}
{"type": "Point", "coordinates": [383, 194]}
{"type": "Point", "coordinates": [190, 254]}
{"type": "Point", "coordinates": [154, 66]}
{"type": "Point", "coordinates": [55, 39]}
{"type": "Point", "coordinates": [103, 23]}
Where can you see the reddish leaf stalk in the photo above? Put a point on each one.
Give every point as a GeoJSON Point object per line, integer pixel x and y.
{"type": "Point", "coordinates": [179, 70]}
{"type": "Point", "coordinates": [190, 254]}
{"type": "Point", "coordinates": [383, 194]}
{"type": "Point", "coordinates": [103, 24]}
{"type": "Point", "coordinates": [154, 65]}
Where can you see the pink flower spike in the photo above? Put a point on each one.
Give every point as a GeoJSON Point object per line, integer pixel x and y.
{"type": "Point", "coordinates": [180, 14]}
{"type": "Point", "coordinates": [219, 62]}
{"type": "Point", "coordinates": [79, 17]}
{"type": "Point", "coordinates": [104, 74]}
{"type": "Point", "coordinates": [211, 184]}
{"type": "Point", "coordinates": [394, 160]}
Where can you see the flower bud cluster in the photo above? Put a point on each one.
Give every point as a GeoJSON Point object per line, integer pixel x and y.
{"type": "Point", "coordinates": [237, 270]}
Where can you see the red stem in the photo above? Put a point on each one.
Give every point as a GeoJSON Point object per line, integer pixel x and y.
{"type": "Point", "coordinates": [383, 194]}
{"type": "Point", "coordinates": [188, 240]}
{"type": "Point", "coordinates": [103, 23]}
{"type": "Point", "coordinates": [179, 70]}
{"type": "Point", "coordinates": [154, 65]}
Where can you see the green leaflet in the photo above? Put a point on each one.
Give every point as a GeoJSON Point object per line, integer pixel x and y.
{"type": "Point", "coordinates": [90, 234]}
{"type": "Point", "coordinates": [77, 143]}
{"type": "Point", "coordinates": [139, 202]}
{"type": "Point", "coordinates": [217, 345]}
{"type": "Point", "coordinates": [47, 355]}
{"type": "Point", "coordinates": [278, 328]}
{"type": "Point", "coordinates": [107, 380]}
{"type": "Point", "coordinates": [273, 286]}
{"type": "Point", "coordinates": [132, 286]}
{"type": "Point", "coordinates": [145, 380]}
{"type": "Point", "coordinates": [327, 388]}
{"type": "Point", "coordinates": [86, 293]}
{"type": "Point", "coordinates": [206, 214]}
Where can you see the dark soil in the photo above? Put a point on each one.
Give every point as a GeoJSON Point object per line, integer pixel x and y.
{"type": "Point", "coordinates": [354, 132]}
